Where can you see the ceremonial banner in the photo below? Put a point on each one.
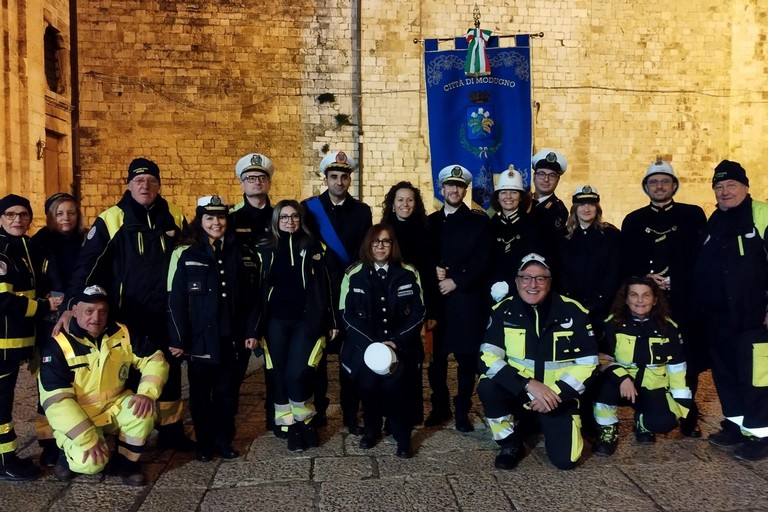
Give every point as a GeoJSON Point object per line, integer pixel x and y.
{"type": "Point", "coordinates": [480, 122]}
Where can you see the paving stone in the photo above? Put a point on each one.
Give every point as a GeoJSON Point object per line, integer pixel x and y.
{"type": "Point", "coordinates": [480, 492]}
{"type": "Point", "coordinates": [449, 439]}
{"type": "Point", "coordinates": [690, 486]}
{"type": "Point", "coordinates": [165, 499]}
{"type": "Point", "coordinates": [248, 473]}
{"type": "Point", "coordinates": [478, 462]}
{"type": "Point", "coordinates": [294, 496]}
{"type": "Point", "coordinates": [342, 468]}
{"type": "Point", "coordinates": [583, 488]}
{"type": "Point", "coordinates": [188, 474]}
{"type": "Point", "coordinates": [426, 494]}
{"type": "Point", "coordinates": [92, 496]}
{"type": "Point", "coordinates": [30, 496]}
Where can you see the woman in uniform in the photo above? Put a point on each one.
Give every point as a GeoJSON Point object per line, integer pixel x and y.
{"type": "Point", "coordinates": [26, 278]}
{"type": "Point", "coordinates": [643, 366]}
{"type": "Point", "coordinates": [213, 285]}
{"type": "Point", "coordinates": [297, 319]}
{"type": "Point", "coordinates": [381, 302]}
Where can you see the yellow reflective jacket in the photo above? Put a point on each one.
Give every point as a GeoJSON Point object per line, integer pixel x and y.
{"type": "Point", "coordinates": [82, 379]}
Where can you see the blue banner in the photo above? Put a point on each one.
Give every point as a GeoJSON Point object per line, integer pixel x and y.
{"type": "Point", "coordinates": [482, 122]}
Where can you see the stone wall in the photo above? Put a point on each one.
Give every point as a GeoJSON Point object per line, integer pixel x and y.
{"type": "Point", "coordinates": [195, 85]}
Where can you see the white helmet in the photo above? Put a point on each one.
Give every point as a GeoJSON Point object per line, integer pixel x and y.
{"type": "Point", "coordinates": [510, 179]}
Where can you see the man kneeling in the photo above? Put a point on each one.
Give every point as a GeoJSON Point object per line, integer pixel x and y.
{"type": "Point", "coordinates": [538, 353]}
{"type": "Point", "coordinates": [82, 389]}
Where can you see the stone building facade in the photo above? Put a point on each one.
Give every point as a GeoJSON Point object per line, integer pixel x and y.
{"type": "Point", "coordinates": [194, 85]}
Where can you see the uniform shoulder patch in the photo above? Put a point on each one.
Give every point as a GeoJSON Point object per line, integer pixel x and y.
{"type": "Point", "coordinates": [353, 266]}
{"type": "Point", "coordinates": [91, 233]}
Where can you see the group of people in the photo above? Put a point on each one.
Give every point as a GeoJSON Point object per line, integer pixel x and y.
{"type": "Point", "coordinates": [584, 317]}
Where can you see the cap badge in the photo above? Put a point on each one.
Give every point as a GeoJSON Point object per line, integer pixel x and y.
{"type": "Point", "coordinates": [586, 190]}
{"type": "Point", "coordinates": [216, 200]}
{"type": "Point", "coordinates": [140, 170]}
{"type": "Point", "coordinates": [511, 172]}
{"type": "Point", "coordinates": [456, 172]}
{"type": "Point", "coordinates": [551, 157]}
{"type": "Point", "coordinates": [341, 157]}
{"type": "Point", "coordinates": [659, 161]}
{"type": "Point", "coordinates": [257, 160]}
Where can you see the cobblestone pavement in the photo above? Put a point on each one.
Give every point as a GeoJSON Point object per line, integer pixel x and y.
{"type": "Point", "coordinates": [451, 471]}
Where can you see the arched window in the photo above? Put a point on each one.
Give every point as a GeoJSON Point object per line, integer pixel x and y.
{"type": "Point", "coordinates": [54, 60]}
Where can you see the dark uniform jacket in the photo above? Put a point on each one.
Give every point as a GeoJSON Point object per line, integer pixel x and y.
{"type": "Point", "coordinates": [550, 218]}
{"type": "Point", "coordinates": [251, 224]}
{"type": "Point", "coordinates": [663, 241]}
{"type": "Point", "coordinates": [210, 304]}
{"type": "Point", "coordinates": [551, 342]}
{"type": "Point", "coordinates": [26, 276]}
{"type": "Point", "coordinates": [731, 272]}
{"type": "Point", "coordinates": [461, 242]}
{"type": "Point", "coordinates": [377, 310]}
{"type": "Point", "coordinates": [127, 251]}
{"type": "Point", "coordinates": [64, 250]}
{"type": "Point", "coordinates": [351, 221]}
{"type": "Point", "coordinates": [651, 355]}
{"type": "Point", "coordinates": [317, 310]}
{"type": "Point", "coordinates": [513, 237]}
{"type": "Point", "coordinates": [589, 268]}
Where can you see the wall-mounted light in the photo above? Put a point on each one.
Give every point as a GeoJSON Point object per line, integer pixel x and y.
{"type": "Point", "coordinates": [40, 149]}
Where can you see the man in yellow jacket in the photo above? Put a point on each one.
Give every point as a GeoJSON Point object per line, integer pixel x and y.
{"type": "Point", "coordinates": [82, 389]}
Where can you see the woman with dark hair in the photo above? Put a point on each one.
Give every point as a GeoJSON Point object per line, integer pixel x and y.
{"type": "Point", "coordinates": [381, 304]}
{"type": "Point", "coordinates": [62, 234]}
{"type": "Point", "coordinates": [589, 257]}
{"type": "Point", "coordinates": [213, 314]}
{"type": "Point", "coordinates": [297, 319]}
{"type": "Point", "coordinates": [514, 231]}
{"type": "Point", "coordinates": [404, 212]}
{"type": "Point", "coordinates": [643, 366]}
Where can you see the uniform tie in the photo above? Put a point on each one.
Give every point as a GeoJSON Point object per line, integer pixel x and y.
{"type": "Point", "coordinates": [382, 273]}
{"type": "Point", "coordinates": [217, 246]}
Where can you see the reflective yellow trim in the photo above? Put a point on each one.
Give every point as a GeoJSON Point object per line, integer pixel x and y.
{"type": "Point", "coordinates": [760, 365]}
{"type": "Point", "coordinates": [577, 442]}
{"type": "Point", "coordinates": [741, 246]}
{"type": "Point", "coordinates": [317, 352]}
{"type": "Point", "coordinates": [152, 379]}
{"type": "Point", "coordinates": [132, 440]}
{"type": "Point", "coordinates": [58, 397]}
{"type": "Point", "coordinates": [99, 397]}
{"type": "Point", "coordinates": [31, 309]}
{"type": "Point", "coordinates": [267, 357]}
{"type": "Point", "coordinates": [66, 346]}
{"type": "Point", "coordinates": [128, 454]}
{"type": "Point", "coordinates": [78, 429]}
{"type": "Point", "coordinates": [9, 343]}
{"type": "Point", "coordinates": [6, 287]}
{"type": "Point", "coordinates": [5, 428]}
{"type": "Point", "coordinates": [29, 294]}
{"type": "Point", "coordinates": [9, 447]}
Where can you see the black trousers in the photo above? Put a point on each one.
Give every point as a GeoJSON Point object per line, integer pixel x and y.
{"type": "Point", "coordinates": [561, 427]}
{"type": "Point", "coordinates": [292, 378]}
{"type": "Point", "coordinates": [438, 382]}
{"type": "Point", "coordinates": [385, 395]}
{"type": "Point", "coordinates": [9, 373]}
{"type": "Point", "coordinates": [213, 390]}
{"type": "Point", "coordinates": [740, 371]}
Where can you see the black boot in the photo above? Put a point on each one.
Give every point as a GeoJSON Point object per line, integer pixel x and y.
{"type": "Point", "coordinates": [295, 443]}
{"type": "Point", "coordinates": [130, 472]}
{"type": "Point", "coordinates": [50, 453]}
{"type": "Point", "coordinates": [173, 437]}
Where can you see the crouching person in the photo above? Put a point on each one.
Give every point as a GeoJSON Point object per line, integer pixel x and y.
{"type": "Point", "coordinates": [82, 389]}
{"type": "Point", "coordinates": [537, 355]}
{"type": "Point", "coordinates": [644, 366]}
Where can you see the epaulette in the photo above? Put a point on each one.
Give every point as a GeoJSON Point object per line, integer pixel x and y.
{"type": "Point", "coordinates": [478, 211]}
{"type": "Point", "coordinates": [353, 266]}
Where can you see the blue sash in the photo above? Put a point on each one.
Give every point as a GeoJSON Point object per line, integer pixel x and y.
{"type": "Point", "coordinates": [326, 229]}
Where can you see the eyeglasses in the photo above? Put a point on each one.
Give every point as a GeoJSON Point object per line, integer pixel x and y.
{"type": "Point", "coordinates": [546, 175]}
{"type": "Point", "coordinates": [13, 215]}
{"type": "Point", "coordinates": [383, 242]}
{"type": "Point", "coordinates": [285, 218]}
{"type": "Point", "coordinates": [257, 178]}
{"type": "Point", "coordinates": [147, 181]}
{"type": "Point", "coordinates": [663, 181]}
{"type": "Point", "coordinates": [526, 279]}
